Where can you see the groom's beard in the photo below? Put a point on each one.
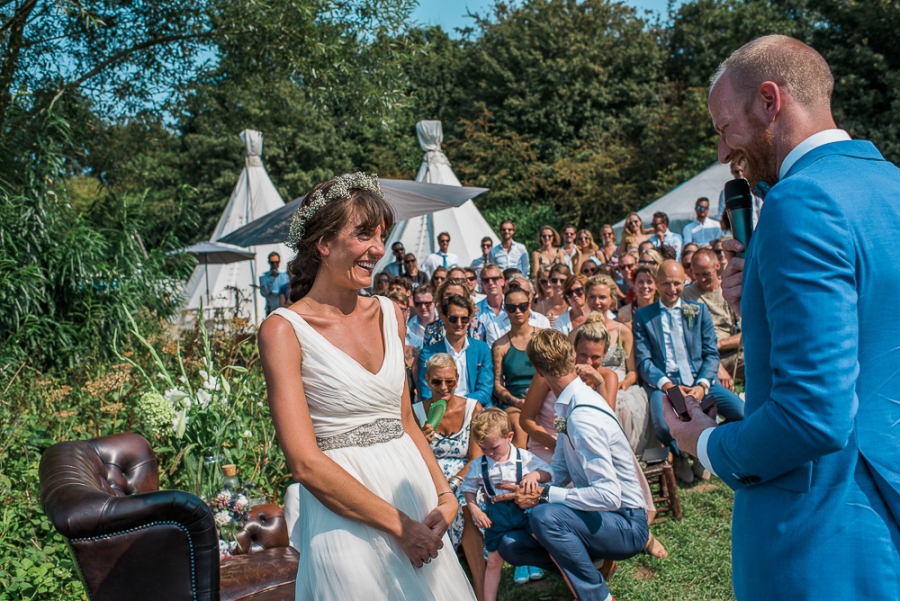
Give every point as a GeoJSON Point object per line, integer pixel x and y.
{"type": "Point", "coordinates": [759, 156]}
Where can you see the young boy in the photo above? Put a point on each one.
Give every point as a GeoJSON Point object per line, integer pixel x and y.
{"type": "Point", "coordinates": [502, 463]}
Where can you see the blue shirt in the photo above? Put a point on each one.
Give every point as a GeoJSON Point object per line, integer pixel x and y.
{"type": "Point", "coordinates": [516, 257]}
{"type": "Point", "coordinates": [269, 285]}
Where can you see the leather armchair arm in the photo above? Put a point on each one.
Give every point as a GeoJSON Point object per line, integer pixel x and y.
{"type": "Point", "coordinates": [265, 529]}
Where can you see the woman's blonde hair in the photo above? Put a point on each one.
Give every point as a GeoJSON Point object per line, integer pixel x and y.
{"type": "Point", "coordinates": [654, 254]}
{"type": "Point", "coordinates": [591, 244]}
{"type": "Point", "coordinates": [604, 280]}
{"type": "Point", "coordinates": [491, 420]}
{"type": "Point", "coordinates": [556, 239]}
{"type": "Point", "coordinates": [440, 361]}
{"type": "Point", "coordinates": [593, 330]}
{"type": "Point", "coordinates": [629, 237]}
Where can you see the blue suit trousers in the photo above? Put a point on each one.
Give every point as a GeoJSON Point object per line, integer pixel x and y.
{"type": "Point", "coordinates": [730, 406]}
{"type": "Point", "coordinates": [575, 539]}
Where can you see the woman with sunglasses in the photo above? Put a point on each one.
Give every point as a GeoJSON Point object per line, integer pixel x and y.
{"type": "Point", "coordinates": [512, 369]}
{"type": "Point", "coordinates": [438, 277]}
{"type": "Point", "coordinates": [609, 250]}
{"type": "Point", "coordinates": [454, 449]}
{"type": "Point", "coordinates": [645, 292]}
{"type": "Point", "coordinates": [632, 234]}
{"type": "Point", "coordinates": [584, 240]}
{"type": "Point", "coordinates": [555, 304]}
{"type": "Point", "coordinates": [381, 287]}
{"type": "Point", "coordinates": [472, 357]}
{"type": "Point", "coordinates": [542, 285]}
{"type": "Point", "coordinates": [549, 252]}
{"type": "Point", "coordinates": [590, 266]}
{"type": "Point", "coordinates": [574, 293]}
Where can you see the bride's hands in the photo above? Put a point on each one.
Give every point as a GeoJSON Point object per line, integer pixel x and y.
{"type": "Point", "coordinates": [419, 541]}
{"type": "Point", "coordinates": [440, 518]}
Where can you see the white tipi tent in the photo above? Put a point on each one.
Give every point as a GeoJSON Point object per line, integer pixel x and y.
{"type": "Point", "coordinates": [465, 224]}
{"type": "Point", "coordinates": [679, 202]}
{"type": "Point", "coordinates": [253, 196]}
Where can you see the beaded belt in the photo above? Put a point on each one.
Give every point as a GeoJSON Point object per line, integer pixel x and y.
{"type": "Point", "coordinates": [381, 430]}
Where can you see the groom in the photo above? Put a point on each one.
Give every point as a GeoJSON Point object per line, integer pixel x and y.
{"type": "Point", "coordinates": [602, 516]}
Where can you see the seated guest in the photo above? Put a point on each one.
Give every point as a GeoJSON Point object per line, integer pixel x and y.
{"type": "Point", "coordinates": [492, 283]}
{"type": "Point", "coordinates": [410, 351]}
{"type": "Point", "coordinates": [425, 315]}
{"type": "Point", "coordinates": [603, 516]}
{"type": "Point", "coordinates": [501, 464]}
{"type": "Point", "coordinates": [555, 305]}
{"type": "Point", "coordinates": [716, 246]}
{"type": "Point", "coordinates": [632, 234]}
{"type": "Point", "coordinates": [542, 280]}
{"type": "Point", "coordinates": [644, 292]}
{"type": "Point", "coordinates": [435, 331]}
{"type": "Point", "coordinates": [589, 266]}
{"type": "Point", "coordinates": [512, 369]}
{"type": "Point", "coordinates": [573, 292]}
{"type": "Point", "coordinates": [472, 282]}
{"type": "Point", "coordinates": [438, 277]}
{"type": "Point", "coordinates": [454, 448]}
{"type": "Point", "coordinates": [631, 400]}
{"type": "Point", "coordinates": [707, 289]}
{"type": "Point", "coordinates": [501, 325]}
{"type": "Point", "coordinates": [667, 252]}
{"type": "Point", "coordinates": [625, 278]}
{"type": "Point", "coordinates": [651, 256]}
{"type": "Point", "coordinates": [381, 283]}
{"type": "Point", "coordinates": [400, 284]}
{"type": "Point", "coordinates": [416, 278]}
{"type": "Point", "coordinates": [472, 357]}
{"type": "Point", "coordinates": [662, 234]}
{"type": "Point", "coordinates": [584, 241]}
{"type": "Point", "coordinates": [645, 245]}
{"type": "Point", "coordinates": [511, 272]}
{"type": "Point", "coordinates": [442, 257]}
{"type": "Point", "coordinates": [686, 256]}
{"type": "Point", "coordinates": [675, 345]}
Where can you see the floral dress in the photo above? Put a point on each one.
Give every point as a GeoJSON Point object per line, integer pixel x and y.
{"type": "Point", "coordinates": [452, 454]}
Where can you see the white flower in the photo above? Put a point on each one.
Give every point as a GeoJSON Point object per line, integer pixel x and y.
{"type": "Point", "coordinates": [247, 434]}
{"type": "Point", "coordinates": [222, 518]}
{"type": "Point", "coordinates": [209, 382]}
{"type": "Point", "coordinates": [203, 398]}
{"type": "Point", "coordinates": [260, 403]}
{"type": "Point", "coordinates": [179, 423]}
{"type": "Point", "coordinates": [176, 396]}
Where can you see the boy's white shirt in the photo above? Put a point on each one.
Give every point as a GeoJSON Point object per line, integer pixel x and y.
{"type": "Point", "coordinates": [502, 472]}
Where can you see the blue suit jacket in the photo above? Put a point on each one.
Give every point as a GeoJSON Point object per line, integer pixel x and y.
{"type": "Point", "coordinates": [479, 370]}
{"type": "Point", "coordinates": [650, 349]}
{"type": "Point", "coordinates": [815, 461]}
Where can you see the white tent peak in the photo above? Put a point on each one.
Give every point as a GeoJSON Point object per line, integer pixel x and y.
{"type": "Point", "coordinates": [465, 223]}
{"type": "Point", "coordinates": [253, 196]}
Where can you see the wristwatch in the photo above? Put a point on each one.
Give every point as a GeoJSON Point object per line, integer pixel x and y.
{"type": "Point", "coordinates": [545, 496]}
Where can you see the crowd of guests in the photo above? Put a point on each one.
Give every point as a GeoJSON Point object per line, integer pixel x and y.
{"type": "Point", "coordinates": [641, 314]}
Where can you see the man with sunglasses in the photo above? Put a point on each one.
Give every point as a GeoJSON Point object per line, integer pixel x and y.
{"type": "Point", "coordinates": [442, 258]}
{"type": "Point", "coordinates": [271, 282]}
{"type": "Point", "coordinates": [662, 235]}
{"type": "Point", "coordinates": [500, 325]}
{"type": "Point", "coordinates": [510, 253]}
{"type": "Point", "coordinates": [702, 230]}
{"type": "Point", "coordinates": [487, 244]}
{"type": "Point", "coordinates": [492, 283]}
{"type": "Point", "coordinates": [571, 255]}
{"type": "Point", "coordinates": [423, 305]}
{"type": "Point", "coordinates": [396, 267]}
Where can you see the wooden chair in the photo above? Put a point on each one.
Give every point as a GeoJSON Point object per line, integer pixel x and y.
{"type": "Point", "coordinates": [661, 478]}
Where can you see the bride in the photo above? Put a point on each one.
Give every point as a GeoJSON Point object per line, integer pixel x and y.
{"type": "Point", "coordinates": [375, 506]}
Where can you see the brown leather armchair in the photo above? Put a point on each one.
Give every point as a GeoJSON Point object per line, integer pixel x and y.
{"type": "Point", "coordinates": [133, 541]}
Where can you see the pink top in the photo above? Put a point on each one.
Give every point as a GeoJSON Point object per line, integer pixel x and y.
{"type": "Point", "coordinates": [545, 419]}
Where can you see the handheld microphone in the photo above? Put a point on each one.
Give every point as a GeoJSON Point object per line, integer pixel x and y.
{"type": "Point", "coordinates": [739, 204]}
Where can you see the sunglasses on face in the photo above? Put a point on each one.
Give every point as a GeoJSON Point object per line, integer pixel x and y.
{"type": "Point", "coordinates": [443, 241]}
{"type": "Point", "coordinates": [439, 278]}
{"type": "Point", "coordinates": [513, 308]}
{"type": "Point", "coordinates": [557, 280]}
{"type": "Point", "coordinates": [507, 229]}
{"type": "Point", "coordinates": [646, 262]}
{"type": "Point", "coordinates": [448, 382]}
{"type": "Point", "coordinates": [606, 234]}
{"type": "Point", "coordinates": [589, 270]}
{"type": "Point", "coordinates": [718, 251]}
{"type": "Point", "coordinates": [544, 282]}
{"type": "Point", "coordinates": [488, 280]}
{"type": "Point", "coordinates": [400, 250]}
{"type": "Point", "coordinates": [458, 319]}
{"type": "Point", "coordinates": [701, 208]}
{"type": "Point", "coordinates": [626, 266]}
{"type": "Point", "coordinates": [546, 236]}
{"type": "Point", "coordinates": [579, 292]}
{"type": "Point", "coordinates": [487, 246]}
{"type": "Point", "coordinates": [423, 304]}
{"type": "Point", "coordinates": [409, 261]}
{"type": "Point", "coordinates": [471, 278]}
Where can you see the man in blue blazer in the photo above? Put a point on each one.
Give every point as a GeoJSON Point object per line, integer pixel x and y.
{"type": "Point", "coordinates": [675, 344]}
{"type": "Point", "coordinates": [816, 462]}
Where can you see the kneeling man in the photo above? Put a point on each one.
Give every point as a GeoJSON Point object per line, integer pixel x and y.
{"type": "Point", "coordinates": [603, 515]}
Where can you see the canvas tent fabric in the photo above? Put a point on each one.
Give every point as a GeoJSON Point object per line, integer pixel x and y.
{"type": "Point", "coordinates": [234, 285]}
{"type": "Point", "coordinates": [465, 223]}
{"type": "Point", "coordinates": [679, 202]}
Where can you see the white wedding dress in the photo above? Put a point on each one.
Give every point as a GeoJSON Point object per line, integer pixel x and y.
{"type": "Point", "coordinates": [356, 416]}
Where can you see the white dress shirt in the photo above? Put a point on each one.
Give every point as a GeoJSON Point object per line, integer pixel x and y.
{"type": "Point", "coordinates": [811, 143]}
{"type": "Point", "coordinates": [674, 317]}
{"type": "Point", "coordinates": [500, 325]}
{"type": "Point", "coordinates": [594, 455]}
{"type": "Point", "coordinates": [701, 233]}
{"type": "Point", "coordinates": [435, 260]}
{"type": "Point", "coordinates": [462, 384]}
{"type": "Point", "coordinates": [516, 257]}
{"type": "Point", "coordinates": [502, 472]}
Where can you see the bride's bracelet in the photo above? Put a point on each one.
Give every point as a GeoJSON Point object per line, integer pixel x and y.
{"type": "Point", "coordinates": [446, 492]}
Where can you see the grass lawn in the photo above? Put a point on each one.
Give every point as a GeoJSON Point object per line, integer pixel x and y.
{"type": "Point", "coordinates": [698, 567]}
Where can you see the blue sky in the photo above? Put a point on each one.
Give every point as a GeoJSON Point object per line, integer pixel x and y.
{"type": "Point", "coordinates": [450, 14]}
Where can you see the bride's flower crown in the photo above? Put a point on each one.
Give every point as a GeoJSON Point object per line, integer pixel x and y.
{"type": "Point", "coordinates": [339, 189]}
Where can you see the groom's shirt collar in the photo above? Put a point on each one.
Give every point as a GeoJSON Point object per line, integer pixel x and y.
{"type": "Point", "coordinates": [811, 143]}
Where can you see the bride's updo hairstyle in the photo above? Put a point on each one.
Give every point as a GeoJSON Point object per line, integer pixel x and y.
{"type": "Point", "coordinates": [325, 223]}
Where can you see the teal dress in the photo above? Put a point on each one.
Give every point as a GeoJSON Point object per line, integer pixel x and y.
{"type": "Point", "coordinates": [517, 372]}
